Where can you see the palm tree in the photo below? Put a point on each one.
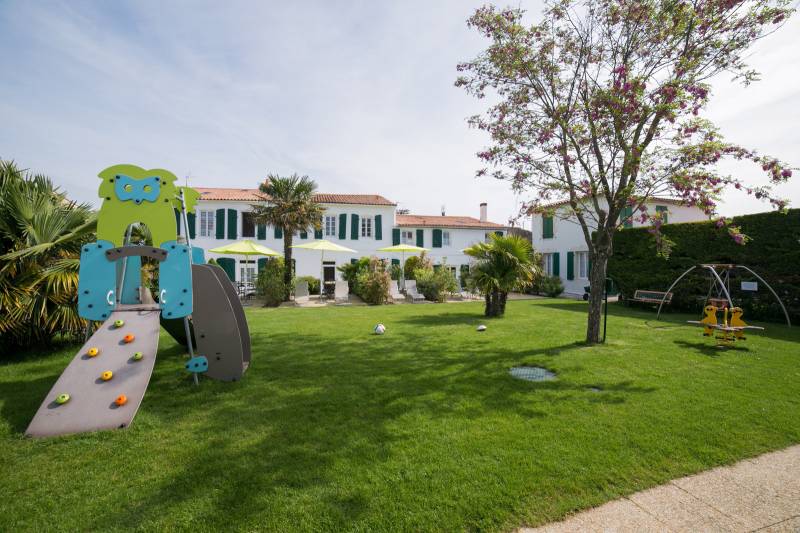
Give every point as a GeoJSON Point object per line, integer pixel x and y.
{"type": "Point", "coordinates": [289, 205]}
{"type": "Point", "coordinates": [41, 234]}
{"type": "Point", "coordinates": [501, 265]}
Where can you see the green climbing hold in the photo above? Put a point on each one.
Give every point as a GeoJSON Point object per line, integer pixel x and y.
{"type": "Point", "coordinates": [62, 399]}
{"type": "Point", "coordinates": [137, 356]}
{"type": "Point", "coordinates": [119, 323]}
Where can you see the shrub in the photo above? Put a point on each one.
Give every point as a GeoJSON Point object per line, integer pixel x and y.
{"type": "Point", "coordinates": [435, 284]}
{"type": "Point", "coordinates": [351, 270]}
{"type": "Point", "coordinates": [416, 262]}
{"type": "Point", "coordinates": [373, 283]}
{"type": "Point", "coordinates": [270, 284]}
{"type": "Point", "coordinates": [395, 272]}
{"type": "Point", "coordinates": [772, 252]}
{"type": "Point", "coordinates": [551, 286]}
{"type": "Point", "coordinates": [313, 283]}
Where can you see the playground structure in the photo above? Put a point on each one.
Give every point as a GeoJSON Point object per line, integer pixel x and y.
{"type": "Point", "coordinates": [732, 327]}
{"type": "Point", "coordinates": [105, 383]}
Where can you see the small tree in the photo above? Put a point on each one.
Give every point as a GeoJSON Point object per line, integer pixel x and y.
{"type": "Point", "coordinates": [501, 265]}
{"type": "Point", "coordinates": [289, 205]}
{"type": "Point", "coordinates": [271, 284]}
{"type": "Point", "coordinates": [416, 262]}
{"type": "Point", "coordinates": [600, 105]}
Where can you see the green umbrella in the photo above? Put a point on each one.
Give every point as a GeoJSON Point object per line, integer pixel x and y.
{"type": "Point", "coordinates": [323, 246]}
{"type": "Point", "coordinates": [402, 249]}
{"type": "Point", "coordinates": [245, 247]}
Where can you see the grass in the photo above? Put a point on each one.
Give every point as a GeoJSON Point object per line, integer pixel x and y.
{"type": "Point", "coordinates": [421, 429]}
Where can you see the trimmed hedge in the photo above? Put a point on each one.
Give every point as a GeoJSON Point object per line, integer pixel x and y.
{"type": "Point", "coordinates": [773, 253]}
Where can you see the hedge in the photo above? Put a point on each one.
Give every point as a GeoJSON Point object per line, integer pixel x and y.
{"type": "Point", "coordinates": [773, 253]}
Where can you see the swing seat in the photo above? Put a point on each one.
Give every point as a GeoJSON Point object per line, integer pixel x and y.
{"type": "Point", "coordinates": [651, 297]}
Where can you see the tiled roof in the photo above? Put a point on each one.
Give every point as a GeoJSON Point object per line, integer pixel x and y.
{"type": "Point", "coordinates": [663, 200]}
{"type": "Point", "coordinates": [435, 221]}
{"type": "Point", "coordinates": [253, 195]}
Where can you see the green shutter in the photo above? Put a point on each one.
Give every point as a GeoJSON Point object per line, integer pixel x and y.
{"type": "Point", "coordinates": [664, 212]}
{"type": "Point", "coordinates": [547, 227]}
{"type": "Point", "coordinates": [262, 262]}
{"type": "Point", "coordinates": [378, 228]}
{"type": "Point", "coordinates": [233, 223]}
{"type": "Point", "coordinates": [498, 233]}
{"type": "Point", "coordinates": [570, 265]}
{"type": "Point", "coordinates": [278, 232]}
{"type": "Point", "coordinates": [177, 221]}
{"type": "Point", "coordinates": [220, 224]}
{"type": "Point", "coordinates": [353, 260]}
{"type": "Point", "coordinates": [342, 227]}
{"type": "Point", "coordinates": [420, 238]}
{"type": "Point", "coordinates": [437, 238]}
{"type": "Point", "coordinates": [317, 233]}
{"type": "Point", "coordinates": [261, 232]}
{"type": "Point", "coordinates": [588, 265]}
{"type": "Point", "coordinates": [626, 214]}
{"type": "Point", "coordinates": [192, 218]}
{"type": "Point", "coordinates": [395, 236]}
{"type": "Point", "coordinates": [395, 262]}
{"type": "Point", "coordinates": [556, 266]}
{"type": "Point", "coordinates": [304, 235]}
{"type": "Point", "coordinates": [229, 266]}
{"type": "Point", "coordinates": [354, 227]}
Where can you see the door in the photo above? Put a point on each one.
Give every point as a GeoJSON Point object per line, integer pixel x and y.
{"type": "Point", "coordinates": [329, 272]}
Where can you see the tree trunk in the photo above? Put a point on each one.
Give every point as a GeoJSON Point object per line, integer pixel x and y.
{"type": "Point", "coordinates": [288, 274]}
{"type": "Point", "coordinates": [495, 303]}
{"type": "Point", "coordinates": [597, 282]}
{"type": "Point", "coordinates": [502, 304]}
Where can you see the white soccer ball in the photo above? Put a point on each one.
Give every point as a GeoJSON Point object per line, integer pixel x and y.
{"type": "Point", "coordinates": [481, 328]}
{"type": "Point", "coordinates": [380, 329]}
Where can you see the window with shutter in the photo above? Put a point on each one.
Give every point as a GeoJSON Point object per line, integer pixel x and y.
{"type": "Point", "coordinates": [445, 238]}
{"type": "Point", "coordinates": [556, 266]}
{"type": "Point", "coordinates": [248, 225]}
{"type": "Point", "coordinates": [191, 219]}
{"type": "Point", "coordinates": [354, 227]}
{"type": "Point", "coordinates": [547, 227]}
{"type": "Point", "coordinates": [663, 211]}
{"type": "Point", "coordinates": [177, 221]}
{"type": "Point", "coordinates": [437, 238]}
{"type": "Point", "coordinates": [342, 226]}
{"type": "Point", "coordinates": [304, 235]}
{"type": "Point", "coordinates": [395, 236]}
{"type": "Point", "coordinates": [420, 238]}
{"type": "Point", "coordinates": [378, 228]}
{"type": "Point", "coordinates": [220, 229]}
{"type": "Point", "coordinates": [626, 214]}
{"type": "Point", "coordinates": [318, 233]}
{"type": "Point", "coordinates": [233, 222]}
{"type": "Point", "coordinates": [262, 232]}
{"type": "Point", "coordinates": [278, 233]}
{"type": "Point", "coordinates": [570, 265]}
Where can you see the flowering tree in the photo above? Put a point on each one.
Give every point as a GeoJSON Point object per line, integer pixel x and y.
{"type": "Point", "coordinates": [600, 105]}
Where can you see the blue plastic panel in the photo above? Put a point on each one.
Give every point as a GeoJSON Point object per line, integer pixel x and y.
{"type": "Point", "coordinates": [96, 279]}
{"type": "Point", "coordinates": [198, 255]}
{"type": "Point", "coordinates": [175, 281]}
{"type": "Point", "coordinates": [133, 278]}
{"type": "Point", "coordinates": [197, 364]}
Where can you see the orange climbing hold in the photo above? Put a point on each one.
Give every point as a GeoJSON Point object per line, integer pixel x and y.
{"type": "Point", "coordinates": [128, 338]}
{"type": "Point", "coordinates": [108, 374]}
{"type": "Point", "coordinates": [91, 352]}
{"type": "Point", "coordinates": [121, 400]}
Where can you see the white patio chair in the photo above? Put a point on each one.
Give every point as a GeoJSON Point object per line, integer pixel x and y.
{"type": "Point", "coordinates": [342, 292]}
{"type": "Point", "coordinates": [394, 292]}
{"type": "Point", "coordinates": [301, 293]}
{"type": "Point", "coordinates": [411, 291]}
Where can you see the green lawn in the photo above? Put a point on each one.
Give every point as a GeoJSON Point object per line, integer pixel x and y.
{"type": "Point", "coordinates": [333, 428]}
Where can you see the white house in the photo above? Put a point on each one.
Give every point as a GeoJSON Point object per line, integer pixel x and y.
{"type": "Point", "coordinates": [559, 238]}
{"type": "Point", "coordinates": [363, 222]}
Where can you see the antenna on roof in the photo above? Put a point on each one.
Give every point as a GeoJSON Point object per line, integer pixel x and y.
{"type": "Point", "coordinates": [443, 210]}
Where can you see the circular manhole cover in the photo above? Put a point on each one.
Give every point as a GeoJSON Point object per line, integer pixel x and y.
{"type": "Point", "coordinates": [532, 373]}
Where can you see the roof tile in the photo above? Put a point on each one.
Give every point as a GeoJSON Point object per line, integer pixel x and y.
{"type": "Point", "coordinates": [254, 195]}
{"type": "Point", "coordinates": [436, 221]}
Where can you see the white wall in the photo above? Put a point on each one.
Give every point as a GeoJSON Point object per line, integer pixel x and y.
{"type": "Point", "coordinates": [568, 237]}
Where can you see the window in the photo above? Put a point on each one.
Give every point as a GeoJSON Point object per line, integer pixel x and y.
{"type": "Point", "coordinates": [627, 217]}
{"type": "Point", "coordinates": [366, 226]}
{"type": "Point", "coordinates": [407, 237]}
{"type": "Point", "coordinates": [547, 264]}
{"type": "Point", "coordinates": [583, 264]}
{"type": "Point", "coordinates": [207, 220]}
{"type": "Point", "coordinates": [445, 238]}
{"type": "Point", "coordinates": [248, 225]}
{"type": "Point", "coordinates": [664, 212]}
{"type": "Point", "coordinates": [247, 271]}
{"type": "Point", "coordinates": [330, 226]}
{"type": "Point", "coordinates": [547, 227]}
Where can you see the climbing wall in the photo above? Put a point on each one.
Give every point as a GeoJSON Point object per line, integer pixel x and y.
{"type": "Point", "coordinates": [128, 352]}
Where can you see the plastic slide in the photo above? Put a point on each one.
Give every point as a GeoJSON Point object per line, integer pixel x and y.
{"type": "Point", "coordinates": [86, 397]}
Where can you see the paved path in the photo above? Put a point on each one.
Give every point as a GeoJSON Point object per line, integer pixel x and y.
{"type": "Point", "coordinates": [760, 494]}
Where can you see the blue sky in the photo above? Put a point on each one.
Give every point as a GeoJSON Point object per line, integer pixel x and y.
{"type": "Point", "coordinates": [358, 95]}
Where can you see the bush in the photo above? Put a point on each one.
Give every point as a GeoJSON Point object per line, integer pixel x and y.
{"type": "Point", "coordinates": [270, 284]}
{"type": "Point", "coordinates": [414, 263]}
{"type": "Point", "coordinates": [551, 286]}
{"type": "Point", "coordinates": [435, 284]}
{"type": "Point", "coordinates": [395, 272]}
{"type": "Point", "coordinates": [773, 253]}
{"type": "Point", "coordinates": [350, 272]}
{"type": "Point", "coordinates": [373, 283]}
{"type": "Point", "coordinates": [313, 283]}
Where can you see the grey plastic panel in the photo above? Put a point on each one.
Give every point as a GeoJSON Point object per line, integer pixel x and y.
{"type": "Point", "coordinates": [238, 310]}
{"type": "Point", "coordinates": [91, 406]}
{"type": "Point", "coordinates": [216, 328]}
{"type": "Point", "coordinates": [114, 254]}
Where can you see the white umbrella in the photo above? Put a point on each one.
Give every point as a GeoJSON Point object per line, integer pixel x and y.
{"type": "Point", "coordinates": [323, 246]}
{"type": "Point", "coordinates": [403, 248]}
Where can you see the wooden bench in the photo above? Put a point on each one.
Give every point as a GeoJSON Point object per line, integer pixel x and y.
{"type": "Point", "coordinates": [651, 297]}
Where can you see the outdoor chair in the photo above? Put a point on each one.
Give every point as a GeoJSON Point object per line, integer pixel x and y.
{"type": "Point", "coordinates": [301, 295]}
{"type": "Point", "coordinates": [342, 292]}
{"type": "Point", "coordinates": [394, 292]}
{"type": "Point", "coordinates": [411, 291]}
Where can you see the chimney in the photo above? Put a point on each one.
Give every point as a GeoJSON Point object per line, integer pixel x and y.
{"type": "Point", "coordinates": [483, 212]}
{"type": "Point", "coordinates": [443, 210]}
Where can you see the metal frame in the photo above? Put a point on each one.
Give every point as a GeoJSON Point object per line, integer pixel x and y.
{"type": "Point", "coordinates": [712, 267]}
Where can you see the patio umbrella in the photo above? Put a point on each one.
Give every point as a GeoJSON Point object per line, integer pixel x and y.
{"type": "Point", "coordinates": [245, 248]}
{"type": "Point", "coordinates": [402, 249]}
{"type": "Point", "coordinates": [323, 246]}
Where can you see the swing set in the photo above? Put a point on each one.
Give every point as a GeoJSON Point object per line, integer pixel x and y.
{"type": "Point", "coordinates": [718, 298]}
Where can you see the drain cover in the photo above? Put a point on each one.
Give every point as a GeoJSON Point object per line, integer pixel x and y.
{"type": "Point", "coordinates": [532, 373]}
